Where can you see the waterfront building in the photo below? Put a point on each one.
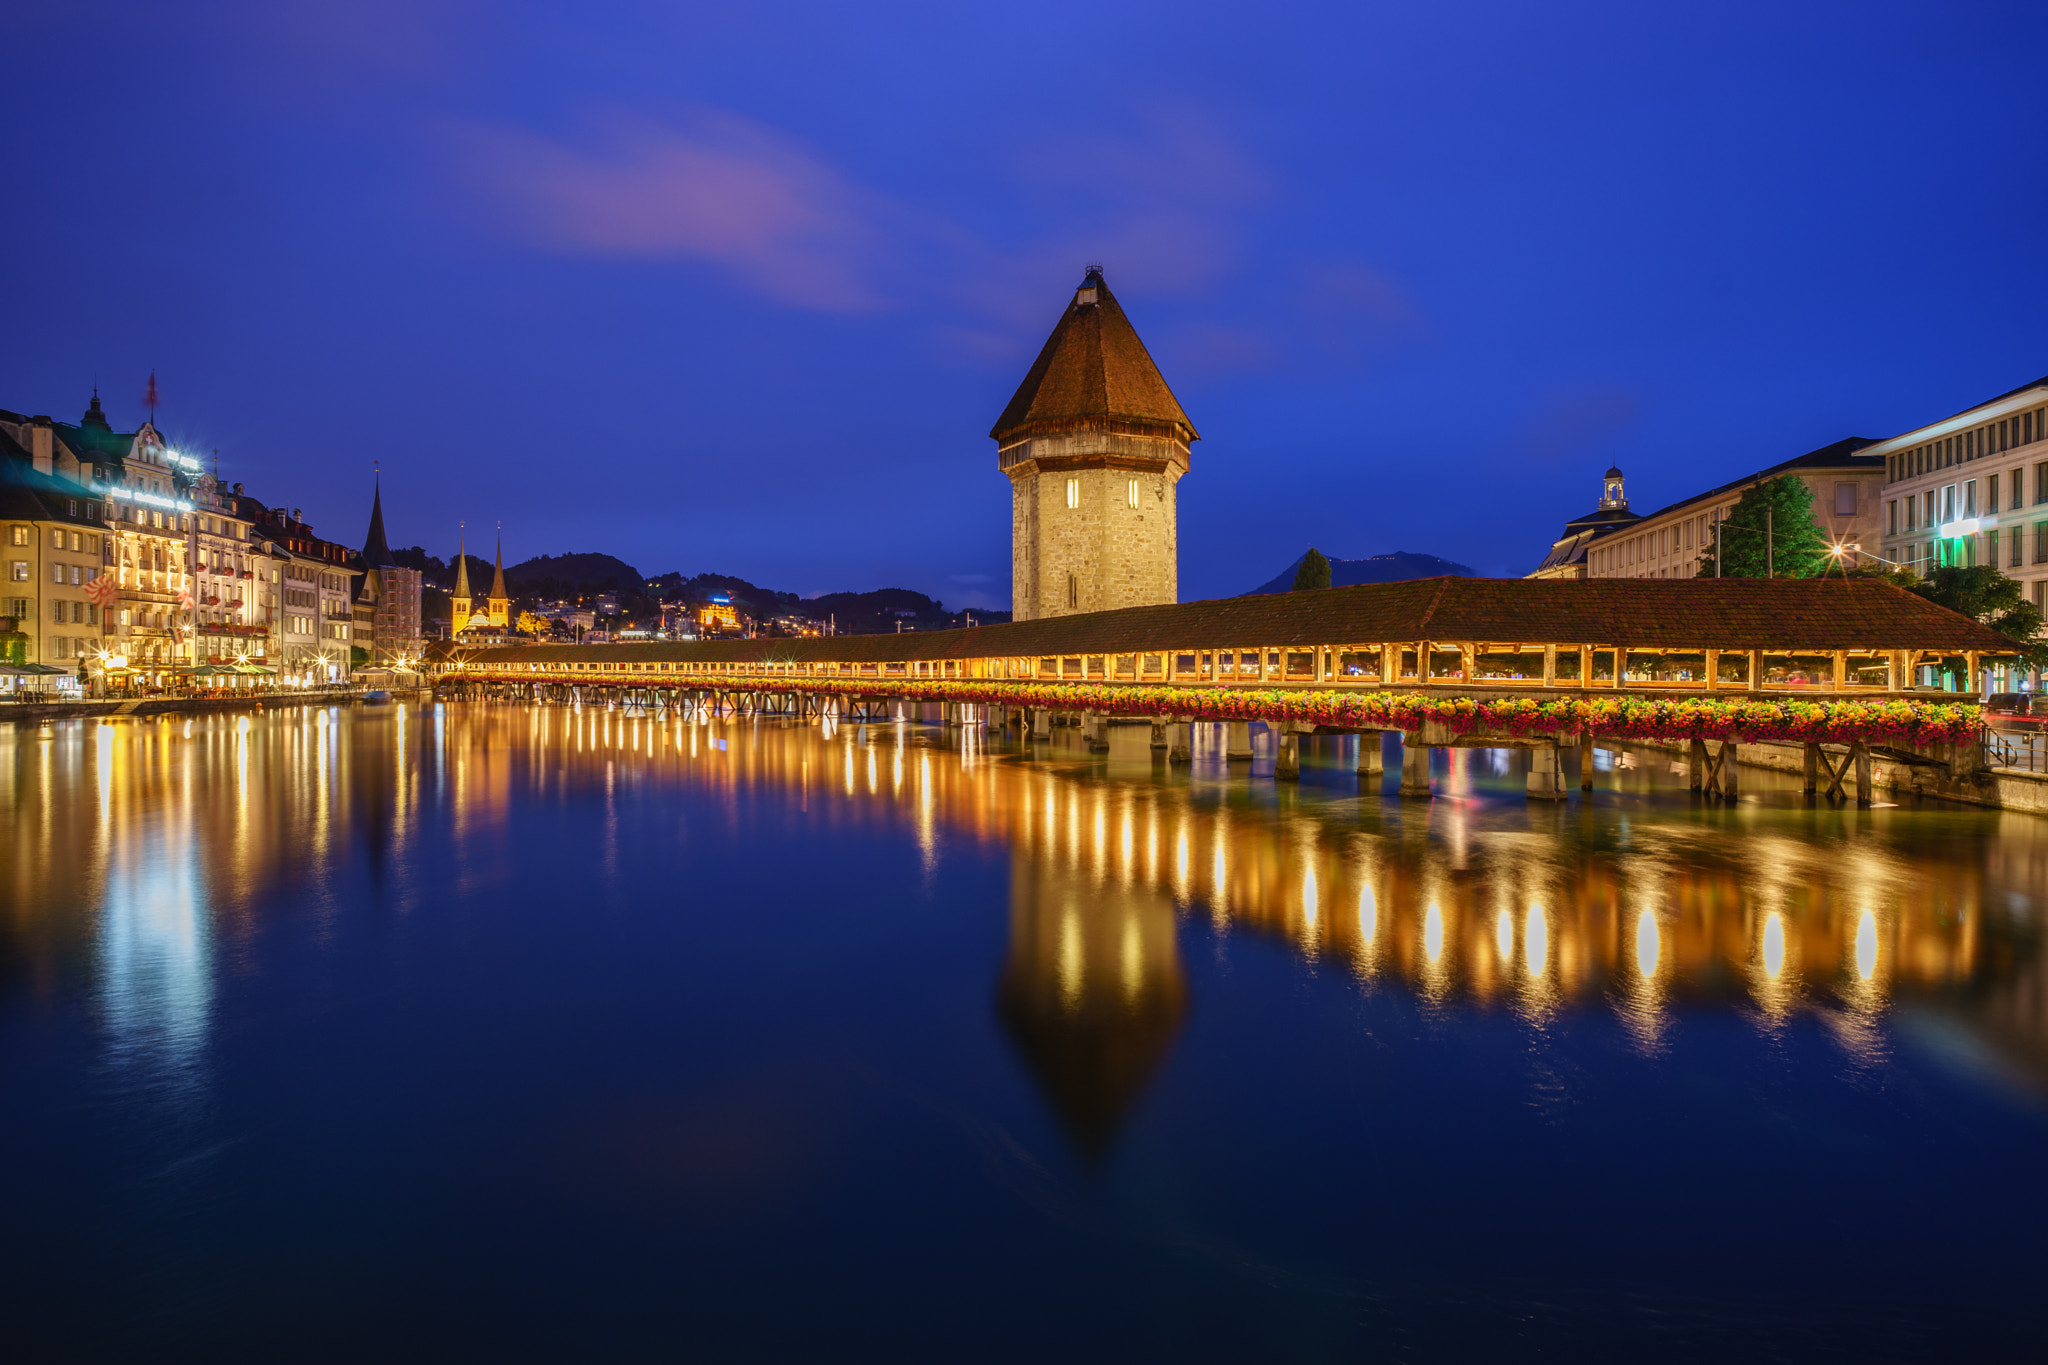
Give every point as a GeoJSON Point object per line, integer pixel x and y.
{"type": "Point", "coordinates": [140, 492]}
{"type": "Point", "coordinates": [232, 621]}
{"type": "Point", "coordinates": [390, 627]}
{"type": "Point", "coordinates": [1972, 489]}
{"type": "Point", "coordinates": [1613, 542]}
{"type": "Point", "coordinates": [53, 545]}
{"type": "Point", "coordinates": [1095, 445]}
{"type": "Point", "coordinates": [1568, 553]}
{"type": "Point", "coordinates": [315, 590]}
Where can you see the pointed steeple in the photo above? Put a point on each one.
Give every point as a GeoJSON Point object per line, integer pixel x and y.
{"type": "Point", "coordinates": [461, 569]}
{"type": "Point", "coordinates": [376, 551]}
{"type": "Point", "coordinates": [1093, 369]}
{"type": "Point", "coordinates": [498, 593]}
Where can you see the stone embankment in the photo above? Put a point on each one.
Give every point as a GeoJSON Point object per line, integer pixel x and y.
{"type": "Point", "coordinates": [37, 712]}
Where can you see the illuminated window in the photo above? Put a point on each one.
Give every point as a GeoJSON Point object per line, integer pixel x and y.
{"type": "Point", "coordinates": [1134, 492]}
{"type": "Point", "coordinates": [1073, 492]}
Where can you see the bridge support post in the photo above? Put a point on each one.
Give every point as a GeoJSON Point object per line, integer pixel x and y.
{"type": "Point", "coordinates": [1545, 782]}
{"type": "Point", "coordinates": [1183, 749]}
{"type": "Point", "coordinates": [1041, 723]}
{"type": "Point", "coordinates": [1371, 761]}
{"type": "Point", "coordinates": [1158, 736]}
{"type": "Point", "coordinates": [1809, 782]}
{"type": "Point", "coordinates": [1286, 753]}
{"type": "Point", "coordinates": [1586, 759]}
{"type": "Point", "coordinates": [1414, 767]}
{"type": "Point", "coordinates": [1859, 753]}
{"type": "Point", "coordinates": [1696, 765]}
{"type": "Point", "coordinates": [1237, 741]}
{"type": "Point", "coordinates": [1728, 787]}
{"type": "Point", "coordinates": [1095, 726]}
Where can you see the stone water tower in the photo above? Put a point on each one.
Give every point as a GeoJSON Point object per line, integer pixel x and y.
{"type": "Point", "coordinates": [1095, 445]}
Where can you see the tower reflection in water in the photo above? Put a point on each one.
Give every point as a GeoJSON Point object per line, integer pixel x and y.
{"type": "Point", "coordinates": [1647, 908]}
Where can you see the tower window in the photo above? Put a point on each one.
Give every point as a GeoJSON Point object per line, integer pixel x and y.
{"type": "Point", "coordinates": [1073, 584]}
{"type": "Point", "coordinates": [1073, 492]}
{"type": "Point", "coordinates": [1134, 492]}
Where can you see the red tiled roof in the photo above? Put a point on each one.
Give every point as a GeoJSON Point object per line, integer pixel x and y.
{"type": "Point", "coordinates": [1092, 368]}
{"type": "Point", "coordinates": [1732, 613]}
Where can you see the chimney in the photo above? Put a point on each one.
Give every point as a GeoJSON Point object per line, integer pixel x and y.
{"type": "Point", "coordinates": [40, 438]}
{"type": "Point", "coordinates": [238, 490]}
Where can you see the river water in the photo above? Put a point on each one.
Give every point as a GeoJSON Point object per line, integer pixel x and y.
{"type": "Point", "coordinates": [511, 1032]}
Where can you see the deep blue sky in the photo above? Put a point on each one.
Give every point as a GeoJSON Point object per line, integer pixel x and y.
{"type": "Point", "coordinates": [741, 288]}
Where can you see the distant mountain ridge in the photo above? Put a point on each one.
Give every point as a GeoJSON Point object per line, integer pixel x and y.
{"type": "Point", "coordinates": [1386, 568]}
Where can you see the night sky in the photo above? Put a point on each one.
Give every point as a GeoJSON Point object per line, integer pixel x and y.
{"type": "Point", "coordinates": [742, 288]}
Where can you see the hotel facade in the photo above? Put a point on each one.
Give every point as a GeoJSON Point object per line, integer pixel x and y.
{"type": "Point", "coordinates": [1973, 489]}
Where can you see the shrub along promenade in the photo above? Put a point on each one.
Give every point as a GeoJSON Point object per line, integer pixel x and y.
{"type": "Point", "coordinates": [1446, 661]}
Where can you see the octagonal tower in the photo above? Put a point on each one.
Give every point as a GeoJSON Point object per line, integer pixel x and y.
{"type": "Point", "coordinates": [1095, 445]}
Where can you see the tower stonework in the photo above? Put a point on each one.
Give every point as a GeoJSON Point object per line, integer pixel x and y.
{"type": "Point", "coordinates": [1095, 445]}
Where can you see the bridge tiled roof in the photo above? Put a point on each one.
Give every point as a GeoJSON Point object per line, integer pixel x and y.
{"type": "Point", "coordinates": [1092, 368]}
{"type": "Point", "coordinates": [1734, 613]}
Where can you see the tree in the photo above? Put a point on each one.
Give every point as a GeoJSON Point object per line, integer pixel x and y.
{"type": "Point", "coordinates": [1771, 533]}
{"type": "Point", "coordinates": [529, 624]}
{"type": "Point", "coordinates": [1314, 571]}
{"type": "Point", "coordinates": [1982, 593]}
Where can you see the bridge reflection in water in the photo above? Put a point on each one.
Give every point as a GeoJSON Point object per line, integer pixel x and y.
{"type": "Point", "coordinates": [1642, 902]}
{"type": "Point", "coordinates": [1645, 902]}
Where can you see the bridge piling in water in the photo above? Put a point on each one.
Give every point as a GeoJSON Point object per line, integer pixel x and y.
{"type": "Point", "coordinates": [1182, 750]}
{"type": "Point", "coordinates": [1237, 741]}
{"type": "Point", "coordinates": [1415, 769]}
{"type": "Point", "coordinates": [1286, 753]}
{"type": "Point", "coordinates": [1545, 783]}
{"type": "Point", "coordinates": [1372, 763]}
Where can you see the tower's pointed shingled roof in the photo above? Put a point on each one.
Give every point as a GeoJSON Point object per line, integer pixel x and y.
{"type": "Point", "coordinates": [376, 551]}
{"type": "Point", "coordinates": [498, 580]}
{"type": "Point", "coordinates": [1092, 368]}
{"type": "Point", "coordinates": [461, 568]}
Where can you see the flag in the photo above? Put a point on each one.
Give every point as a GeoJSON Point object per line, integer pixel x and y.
{"type": "Point", "coordinates": [101, 590]}
{"type": "Point", "coordinates": [184, 601]}
{"type": "Point", "coordinates": [149, 396]}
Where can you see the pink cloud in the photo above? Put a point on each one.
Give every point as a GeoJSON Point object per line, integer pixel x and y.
{"type": "Point", "coordinates": [717, 189]}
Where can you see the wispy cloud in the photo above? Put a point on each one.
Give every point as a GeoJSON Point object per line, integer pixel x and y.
{"type": "Point", "coordinates": [1165, 207]}
{"type": "Point", "coordinates": [715, 188]}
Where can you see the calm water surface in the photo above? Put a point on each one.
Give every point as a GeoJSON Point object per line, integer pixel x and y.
{"type": "Point", "coordinates": [486, 1031]}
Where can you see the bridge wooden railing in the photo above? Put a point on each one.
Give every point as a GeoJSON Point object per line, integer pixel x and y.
{"type": "Point", "coordinates": [1892, 720]}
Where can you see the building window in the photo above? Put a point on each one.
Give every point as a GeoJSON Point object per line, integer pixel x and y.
{"type": "Point", "coordinates": [1991, 548]}
{"type": "Point", "coordinates": [56, 540]}
{"type": "Point", "coordinates": [1134, 492]}
{"type": "Point", "coordinates": [1991, 493]}
{"type": "Point", "coordinates": [1891, 517]}
{"type": "Point", "coordinates": [17, 535]}
{"type": "Point", "coordinates": [1074, 586]}
{"type": "Point", "coordinates": [1073, 492]}
{"type": "Point", "coordinates": [2041, 542]}
{"type": "Point", "coordinates": [2016, 538]}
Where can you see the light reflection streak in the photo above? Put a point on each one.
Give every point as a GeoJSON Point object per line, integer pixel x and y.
{"type": "Point", "coordinates": [1640, 931]}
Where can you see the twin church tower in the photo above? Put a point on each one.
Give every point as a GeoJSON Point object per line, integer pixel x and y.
{"type": "Point", "coordinates": [1095, 445]}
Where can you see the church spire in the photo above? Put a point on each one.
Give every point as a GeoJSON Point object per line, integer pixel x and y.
{"type": "Point", "coordinates": [498, 593]}
{"type": "Point", "coordinates": [462, 569]}
{"type": "Point", "coordinates": [376, 550]}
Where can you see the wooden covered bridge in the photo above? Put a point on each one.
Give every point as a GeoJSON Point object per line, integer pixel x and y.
{"type": "Point", "coordinates": [1449, 661]}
